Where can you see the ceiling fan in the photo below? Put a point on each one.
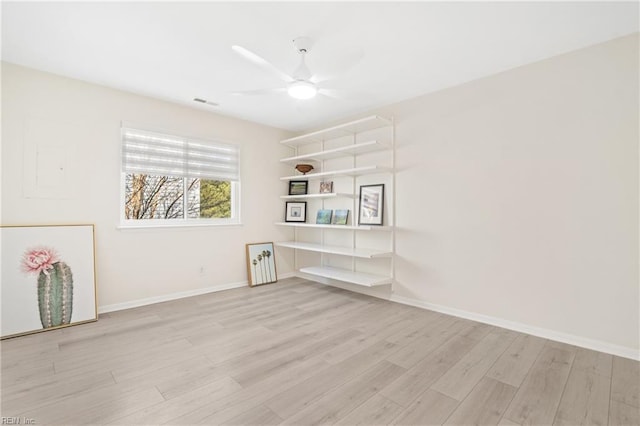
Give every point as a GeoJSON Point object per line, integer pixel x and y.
{"type": "Point", "coordinates": [301, 84]}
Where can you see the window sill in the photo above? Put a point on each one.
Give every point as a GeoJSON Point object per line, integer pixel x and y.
{"type": "Point", "coordinates": [177, 225]}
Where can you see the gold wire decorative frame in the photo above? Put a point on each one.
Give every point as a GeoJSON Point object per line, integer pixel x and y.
{"type": "Point", "coordinates": [48, 277]}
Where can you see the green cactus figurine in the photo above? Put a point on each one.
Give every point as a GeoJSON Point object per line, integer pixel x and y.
{"type": "Point", "coordinates": [55, 286]}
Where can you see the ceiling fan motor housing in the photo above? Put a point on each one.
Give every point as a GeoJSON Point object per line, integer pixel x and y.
{"type": "Point", "coordinates": [302, 44]}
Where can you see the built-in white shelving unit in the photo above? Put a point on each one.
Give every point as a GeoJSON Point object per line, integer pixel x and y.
{"type": "Point", "coordinates": [360, 152]}
{"type": "Point", "coordinates": [347, 227]}
{"type": "Point", "coordinates": [353, 277]}
{"type": "Point", "coordinates": [316, 196]}
{"type": "Point", "coordinates": [355, 149]}
{"type": "Point", "coordinates": [347, 129]}
{"type": "Point", "coordinates": [364, 253]}
{"type": "Point", "coordinates": [354, 171]}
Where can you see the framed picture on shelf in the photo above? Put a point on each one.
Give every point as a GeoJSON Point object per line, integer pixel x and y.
{"type": "Point", "coordinates": [298, 187]}
{"type": "Point", "coordinates": [261, 264]}
{"type": "Point", "coordinates": [371, 205]}
{"type": "Point", "coordinates": [324, 217]}
{"type": "Point", "coordinates": [326, 187]}
{"type": "Point", "coordinates": [296, 211]}
{"type": "Point", "coordinates": [340, 217]}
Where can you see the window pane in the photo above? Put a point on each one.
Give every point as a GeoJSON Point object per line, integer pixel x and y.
{"type": "Point", "coordinates": [153, 197]}
{"type": "Point", "coordinates": [209, 199]}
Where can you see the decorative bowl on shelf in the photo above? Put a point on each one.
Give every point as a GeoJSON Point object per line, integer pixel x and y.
{"type": "Point", "coordinates": [304, 168]}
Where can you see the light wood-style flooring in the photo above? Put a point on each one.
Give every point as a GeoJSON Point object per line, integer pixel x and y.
{"type": "Point", "coordinates": [302, 353]}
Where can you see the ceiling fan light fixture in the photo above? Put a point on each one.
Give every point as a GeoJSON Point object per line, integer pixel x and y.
{"type": "Point", "coordinates": [301, 89]}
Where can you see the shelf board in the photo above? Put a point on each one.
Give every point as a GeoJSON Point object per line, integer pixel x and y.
{"type": "Point", "coordinates": [345, 227]}
{"type": "Point", "coordinates": [328, 195]}
{"type": "Point", "coordinates": [355, 149]}
{"type": "Point", "coordinates": [362, 125]}
{"type": "Point", "coordinates": [359, 278]}
{"type": "Point", "coordinates": [364, 253]}
{"type": "Point", "coordinates": [356, 171]}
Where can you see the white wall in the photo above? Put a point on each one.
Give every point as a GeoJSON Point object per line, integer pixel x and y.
{"type": "Point", "coordinates": [85, 120]}
{"type": "Point", "coordinates": [517, 194]}
{"type": "Point", "coordinates": [518, 197]}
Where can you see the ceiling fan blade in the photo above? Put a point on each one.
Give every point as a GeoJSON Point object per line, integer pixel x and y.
{"type": "Point", "coordinates": [347, 62]}
{"type": "Point", "coordinates": [258, 60]}
{"type": "Point", "coordinates": [259, 92]}
{"type": "Point", "coordinates": [332, 93]}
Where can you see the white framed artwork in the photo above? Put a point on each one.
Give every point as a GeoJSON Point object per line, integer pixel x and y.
{"type": "Point", "coordinates": [47, 279]}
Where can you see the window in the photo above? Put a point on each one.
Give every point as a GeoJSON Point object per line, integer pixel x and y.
{"type": "Point", "coordinates": [172, 180]}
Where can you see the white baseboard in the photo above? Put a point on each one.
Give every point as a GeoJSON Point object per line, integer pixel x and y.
{"type": "Point", "coordinates": [173, 296]}
{"type": "Point", "coordinates": [557, 336]}
{"type": "Point", "coordinates": [168, 297]}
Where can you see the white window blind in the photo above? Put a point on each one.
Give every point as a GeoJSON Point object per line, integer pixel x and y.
{"type": "Point", "coordinates": [165, 155]}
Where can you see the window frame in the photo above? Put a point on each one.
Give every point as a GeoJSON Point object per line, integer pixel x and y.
{"type": "Point", "coordinates": [235, 192]}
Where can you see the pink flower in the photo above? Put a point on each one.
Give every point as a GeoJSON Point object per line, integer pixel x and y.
{"type": "Point", "coordinates": [38, 260]}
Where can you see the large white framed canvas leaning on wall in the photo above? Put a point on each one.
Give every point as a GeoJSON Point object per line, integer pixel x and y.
{"type": "Point", "coordinates": [47, 279]}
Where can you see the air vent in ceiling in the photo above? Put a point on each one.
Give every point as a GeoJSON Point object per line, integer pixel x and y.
{"type": "Point", "coordinates": [204, 101]}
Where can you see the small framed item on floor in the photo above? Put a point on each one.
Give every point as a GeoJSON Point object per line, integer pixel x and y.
{"type": "Point", "coordinates": [261, 264]}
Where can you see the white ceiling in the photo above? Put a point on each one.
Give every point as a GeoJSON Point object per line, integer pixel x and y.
{"type": "Point", "coordinates": [375, 53]}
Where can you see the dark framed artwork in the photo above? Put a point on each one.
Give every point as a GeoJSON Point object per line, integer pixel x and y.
{"type": "Point", "coordinates": [298, 187]}
{"type": "Point", "coordinates": [261, 264]}
{"type": "Point", "coordinates": [295, 211]}
{"type": "Point", "coordinates": [371, 208]}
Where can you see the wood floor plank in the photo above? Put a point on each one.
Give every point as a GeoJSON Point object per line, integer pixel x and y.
{"type": "Point", "coordinates": [33, 397]}
{"type": "Point", "coordinates": [352, 347]}
{"type": "Point", "coordinates": [298, 397]}
{"type": "Point", "coordinates": [466, 373]}
{"type": "Point", "coordinates": [476, 330]}
{"type": "Point", "coordinates": [20, 373]}
{"type": "Point", "coordinates": [311, 315]}
{"type": "Point", "coordinates": [625, 381]}
{"type": "Point", "coordinates": [263, 370]}
{"type": "Point", "coordinates": [257, 346]}
{"type": "Point", "coordinates": [513, 365]}
{"type": "Point", "coordinates": [421, 376]}
{"type": "Point", "coordinates": [139, 366]}
{"type": "Point", "coordinates": [259, 415]}
{"type": "Point", "coordinates": [179, 378]}
{"type": "Point", "coordinates": [429, 408]}
{"type": "Point", "coordinates": [506, 422]}
{"type": "Point", "coordinates": [593, 362]}
{"type": "Point", "coordinates": [165, 411]}
{"type": "Point", "coordinates": [621, 414]}
{"type": "Point", "coordinates": [538, 398]}
{"type": "Point", "coordinates": [225, 336]}
{"type": "Point", "coordinates": [95, 407]}
{"type": "Point", "coordinates": [119, 358]}
{"type": "Point", "coordinates": [337, 404]}
{"type": "Point", "coordinates": [378, 410]}
{"type": "Point", "coordinates": [423, 345]}
{"type": "Point", "coordinates": [485, 405]}
{"type": "Point", "coordinates": [585, 400]}
{"type": "Point", "coordinates": [237, 403]}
